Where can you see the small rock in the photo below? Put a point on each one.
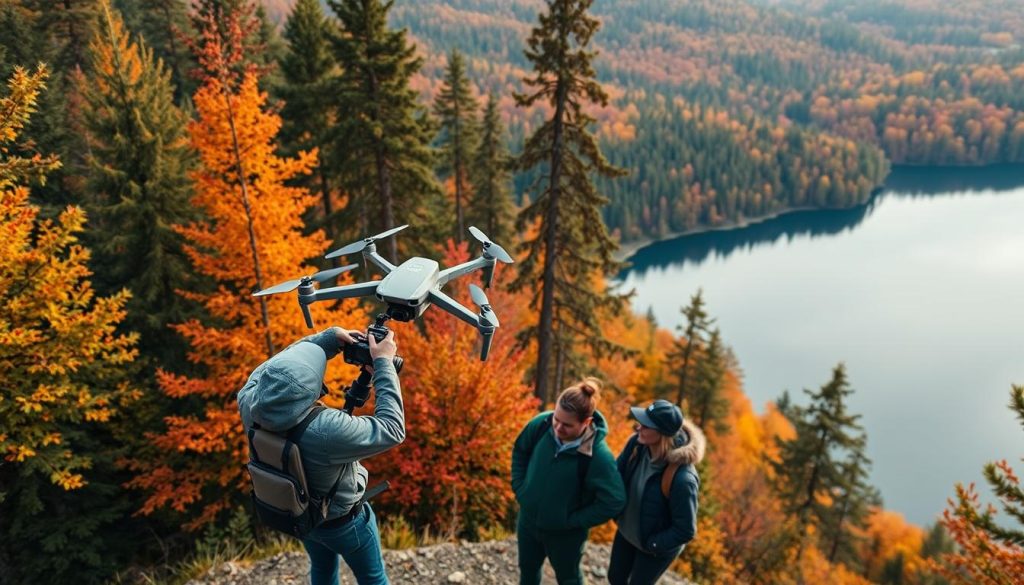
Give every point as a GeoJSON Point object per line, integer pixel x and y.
{"type": "Point", "coordinates": [457, 577]}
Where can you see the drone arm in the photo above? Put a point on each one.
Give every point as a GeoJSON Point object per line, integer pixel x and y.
{"type": "Point", "coordinates": [348, 291]}
{"type": "Point", "coordinates": [454, 307]}
{"type": "Point", "coordinates": [370, 255]}
{"type": "Point", "coordinates": [449, 274]}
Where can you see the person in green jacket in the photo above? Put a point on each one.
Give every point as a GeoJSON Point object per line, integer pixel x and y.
{"type": "Point", "coordinates": [565, 480]}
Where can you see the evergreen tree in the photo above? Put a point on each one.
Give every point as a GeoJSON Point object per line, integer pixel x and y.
{"type": "Point", "coordinates": [685, 350]}
{"type": "Point", "coordinates": [988, 551]}
{"type": "Point", "coordinates": [490, 174]}
{"type": "Point", "coordinates": [381, 142]}
{"type": "Point", "coordinates": [456, 110]}
{"type": "Point", "coordinates": [824, 464]}
{"type": "Point", "coordinates": [306, 70]}
{"type": "Point", "coordinates": [852, 499]}
{"type": "Point", "coordinates": [139, 159]}
{"type": "Point", "coordinates": [706, 403]}
{"type": "Point", "coordinates": [163, 24]}
{"type": "Point", "coordinates": [572, 249]}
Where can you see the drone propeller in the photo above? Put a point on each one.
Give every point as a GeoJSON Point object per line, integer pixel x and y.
{"type": "Point", "coordinates": [490, 248]}
{"type": "Point", "coordinates": [290, 285]}
{"type": "Point", "coordinates": [358, 246]}
{"type": "Point", "coordinates": [487, 315]}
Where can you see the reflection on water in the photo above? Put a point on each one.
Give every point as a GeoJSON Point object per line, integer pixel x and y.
{"type": "Point", "coordinates": [904, 182]}
{"type": "Point", "coordinates": [918, 292]}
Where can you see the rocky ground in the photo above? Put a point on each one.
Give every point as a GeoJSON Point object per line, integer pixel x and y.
{"type": "Point", "coordinates": [470, 563]}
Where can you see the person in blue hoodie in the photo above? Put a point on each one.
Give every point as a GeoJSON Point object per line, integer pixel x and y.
{"type": "Point", "coordinates": [277, 396]}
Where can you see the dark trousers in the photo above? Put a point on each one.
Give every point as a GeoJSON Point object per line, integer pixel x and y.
{"type": "Point", "coordinates": [564, 548]}
{"type": "Point", "coordinates": [632, 566]}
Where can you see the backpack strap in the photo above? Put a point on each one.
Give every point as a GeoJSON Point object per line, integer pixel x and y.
{"type": "Point", "coordinates": [666, 478]}
{"type": "Point", "coordinates": [295, 433]}
{"type": "Point", "coordinates": [541, 429]}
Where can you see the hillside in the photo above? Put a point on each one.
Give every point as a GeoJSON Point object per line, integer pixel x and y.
{"type": "Point", "coordinates": [730, 110]}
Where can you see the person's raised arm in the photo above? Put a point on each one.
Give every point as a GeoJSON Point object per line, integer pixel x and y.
{"type": "Point", "coordinates": [356, 437]}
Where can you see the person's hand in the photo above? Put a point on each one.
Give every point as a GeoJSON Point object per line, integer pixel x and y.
{"type": "Point", "coordinates": [346, 336]}
{"type": "Point", "coordinates": [386, 348]}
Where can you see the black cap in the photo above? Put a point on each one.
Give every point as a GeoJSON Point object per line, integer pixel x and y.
{"type": "Point", "coordinates": [661, 415]}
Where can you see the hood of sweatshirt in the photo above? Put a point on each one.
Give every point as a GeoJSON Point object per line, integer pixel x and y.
{"type": "Point", "coordinates": [283, 388]}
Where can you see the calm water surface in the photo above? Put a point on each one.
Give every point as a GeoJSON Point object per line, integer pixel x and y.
{"type": "Point", "coordinates": [920, 293]}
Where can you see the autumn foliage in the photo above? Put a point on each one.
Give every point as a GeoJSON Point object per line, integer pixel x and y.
{"type": "Point", "coordinates": [452, 472]}
{"type": "Point", "coordinates": [199, 468]}
{"type": "Point", "coordinates": [61, 359]}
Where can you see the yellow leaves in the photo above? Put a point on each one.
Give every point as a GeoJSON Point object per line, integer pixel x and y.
{"type": "Point", "coordinates": [21, 453]}
{"type": "Point", "coordinates": [67, 480]}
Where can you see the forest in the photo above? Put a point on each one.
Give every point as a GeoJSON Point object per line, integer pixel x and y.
{"type": "Point", "coordinates": [161, 161]}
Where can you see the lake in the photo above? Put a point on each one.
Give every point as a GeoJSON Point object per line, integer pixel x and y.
{"type": "Point", "coordinates": [920, 292]}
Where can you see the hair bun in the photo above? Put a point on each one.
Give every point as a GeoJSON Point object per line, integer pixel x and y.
{"type": "Point", "coordinates": [590, 386]}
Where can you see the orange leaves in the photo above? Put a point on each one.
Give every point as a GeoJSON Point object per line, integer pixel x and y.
{"type": "Point", "coordinates": [452, 472]}
{"type": "Point", "coordinates": [206, 448]}
{"type": "Point", "coordinates": [980, 558]}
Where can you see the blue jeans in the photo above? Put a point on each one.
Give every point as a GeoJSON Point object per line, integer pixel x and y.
{"type": "Point", "coordinates": [357, 541]}
{"type": "Point", "coordinates": [632, 566]}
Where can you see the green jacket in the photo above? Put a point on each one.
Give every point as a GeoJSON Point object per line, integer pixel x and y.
{"type": "Point", "coordinates": [548, 487]}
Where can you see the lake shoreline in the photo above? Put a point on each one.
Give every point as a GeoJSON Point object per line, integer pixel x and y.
{"type": "Point", "coordinates": [629, 249]}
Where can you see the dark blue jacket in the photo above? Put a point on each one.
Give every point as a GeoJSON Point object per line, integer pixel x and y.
{"type": "Point", "coordinates": [667, 524]}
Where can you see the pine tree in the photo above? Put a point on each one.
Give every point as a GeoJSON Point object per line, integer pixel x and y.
{"type": "Point", "coordinates": [490, 174]}
{"type": "Point", "coordinates": [139, 159]}
{"type": "Point", "coordinates": [456, 110]}
{"type": "Point", "coordinates": [163, 24]}
{"type": "Point", "coordinates": [571, 248]}
{"type": "Point", "coordinates": [812, 474]}
{"type": "Point", "coordinates": [852, 500]}
{"type": "Point", "coordinates": [65, 370]}
{"type": "Point", "coordinates": [686, 350]}
{"type": "Point", "coordinates": [197, 470]}
{"type": "Point", "coordinates": [706, 402]}
{"type": "Point", "coordinates": [381, 142]}
{"type": "Point", "coordinates": [306, 69]}
{"type": "Point", "coordinates": [989, 552]}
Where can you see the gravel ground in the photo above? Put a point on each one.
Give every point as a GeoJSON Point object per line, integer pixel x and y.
{"type": "Point", "coordinates": [470, 563]}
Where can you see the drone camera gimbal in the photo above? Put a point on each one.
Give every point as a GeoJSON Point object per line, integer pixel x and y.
{"type": "Point", "coordinates": [408, 289]}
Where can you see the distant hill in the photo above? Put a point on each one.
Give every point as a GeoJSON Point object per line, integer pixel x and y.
{"type": "Point", "coordinates": [730, 109]}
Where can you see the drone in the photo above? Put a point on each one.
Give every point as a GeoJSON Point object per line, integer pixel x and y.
{"type": "Point", "coordinates": [407, 289]}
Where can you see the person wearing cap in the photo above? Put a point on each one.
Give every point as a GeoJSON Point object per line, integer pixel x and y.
{"type": "Point", "coordinates": [565, 480]}
{"type": "Point", "coordinates": [660, 517]}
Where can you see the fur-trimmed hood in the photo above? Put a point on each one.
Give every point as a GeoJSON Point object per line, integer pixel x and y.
{"type": "Point", "coordinates": [692, 451]}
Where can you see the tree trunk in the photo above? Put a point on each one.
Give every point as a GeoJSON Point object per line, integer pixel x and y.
{"type": "Point", "coordinates": [545, 329]}
{"type": "Point", "coordinates": [457, 163]}
{"type": "Point", "coordinates": [248, 218]}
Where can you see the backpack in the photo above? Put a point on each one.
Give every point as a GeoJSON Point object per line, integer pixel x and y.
{"type": "Point", "coordinates": [582, 462]}
{"type": "Point", "coordinates": [667, 475]}
{"type": "Point", "coordinates": [280, 492]}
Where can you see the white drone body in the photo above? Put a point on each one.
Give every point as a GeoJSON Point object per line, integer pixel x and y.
{"type": "Point", "coordinates": [409, 288]}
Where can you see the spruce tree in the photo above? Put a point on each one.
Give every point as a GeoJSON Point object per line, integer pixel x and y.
{"type": "Point", "coordinates": [490, 174]}
{"type": "Point", "coordinates": [138, 184]}
{"type": "Point", "coordinates": [824, 463]}
{"type": "Point", "coordinates": [381, 142]}
{"type": "Point", "coordinates": [572, 250]}
{"type": "Point", "coordinates": [455, 108]}
{"type": "Point", "coordinates": [706, 403]}
{"type": "Point", "coordinates": [685, 350]}
{"type": "Point", "coordinates": [163, 23]}
{"type": "Point", "coordinates": [306, 70]}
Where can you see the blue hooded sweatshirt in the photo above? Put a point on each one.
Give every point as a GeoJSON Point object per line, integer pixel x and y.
{"type": "Point", "coordinates": [280, 392]}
